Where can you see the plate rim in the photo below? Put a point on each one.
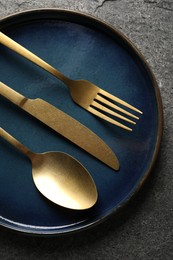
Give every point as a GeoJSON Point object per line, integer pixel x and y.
{"type": "Point", "coordinates": [98, 23]}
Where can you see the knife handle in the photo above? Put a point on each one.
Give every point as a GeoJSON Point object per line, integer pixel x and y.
{"type": "Point", "coordinates": [12, 95]}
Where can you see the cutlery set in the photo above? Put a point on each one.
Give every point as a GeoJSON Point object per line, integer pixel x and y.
{"type": "Point", "coordinates": [58, 176]}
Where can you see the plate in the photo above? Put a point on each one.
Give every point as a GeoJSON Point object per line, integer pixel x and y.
{"type": "Point", "coordinates": [80, 46]}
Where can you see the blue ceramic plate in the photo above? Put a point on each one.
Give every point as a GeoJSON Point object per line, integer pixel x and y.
{"type": "Point", "coordinates": [81, 47]}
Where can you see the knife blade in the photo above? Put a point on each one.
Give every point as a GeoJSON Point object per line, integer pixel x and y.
{"type": "Point", "coordinates": [64, 125]}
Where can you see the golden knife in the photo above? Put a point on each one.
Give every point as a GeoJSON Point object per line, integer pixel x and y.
{"type": "Point", "coordinates": [64, 125]}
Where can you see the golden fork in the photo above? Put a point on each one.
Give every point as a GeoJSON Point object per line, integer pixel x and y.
{"type": "Point", "coordinates": [84, 93]}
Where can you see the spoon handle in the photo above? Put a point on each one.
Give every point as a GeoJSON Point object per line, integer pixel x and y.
{"type": "Point", "coordinates": [11, 44]}
{"type": "Point", "coordinates": [9, 138]}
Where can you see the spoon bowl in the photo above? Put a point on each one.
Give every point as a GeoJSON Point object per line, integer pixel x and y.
{"type": "Point", "coordinates": [59, 177]}
{"type": "Point", "coordinates": [63, 180]}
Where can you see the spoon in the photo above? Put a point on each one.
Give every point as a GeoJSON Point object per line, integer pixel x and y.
{"type": "Point", "coordinates": [59, 177]}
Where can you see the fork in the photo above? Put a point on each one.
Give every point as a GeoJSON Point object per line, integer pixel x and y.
{"type": "Point", "coordinates": [87, 95]}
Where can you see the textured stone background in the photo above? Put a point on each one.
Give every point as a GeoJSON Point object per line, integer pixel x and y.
{"type": "Point", "coordinates": [145, 229]}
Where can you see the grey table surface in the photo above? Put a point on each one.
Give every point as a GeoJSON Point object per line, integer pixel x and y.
{"type": "Point", "coordinates": [145, 229]}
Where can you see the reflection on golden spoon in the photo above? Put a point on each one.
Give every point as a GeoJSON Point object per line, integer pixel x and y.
{"type": "Point", "coordinates": [59, 177]}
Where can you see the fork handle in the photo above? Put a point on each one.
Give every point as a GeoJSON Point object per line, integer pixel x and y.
{"type": "Point", "coordinates": [11, 44]}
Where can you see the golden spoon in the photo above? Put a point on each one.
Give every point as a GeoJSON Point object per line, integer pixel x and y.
{"type": "Point", "coordinates": [59, 177]}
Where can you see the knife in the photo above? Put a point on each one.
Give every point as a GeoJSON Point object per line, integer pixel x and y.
{"type": "Point", "coordinates": [64, 125]}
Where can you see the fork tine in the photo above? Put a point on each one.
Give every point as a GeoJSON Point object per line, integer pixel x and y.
{"type": "Point", "coordinates": [99, 114]}
{"type": "Point", "coordinates": [110, 104]}
{"type": "Point", "coordinates": [118, 100]}
{"type": "Point", "coordinates": [107, 110]}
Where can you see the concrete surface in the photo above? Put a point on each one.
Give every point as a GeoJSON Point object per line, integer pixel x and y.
{"type": "Point", "coordinates": [145, 229]}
